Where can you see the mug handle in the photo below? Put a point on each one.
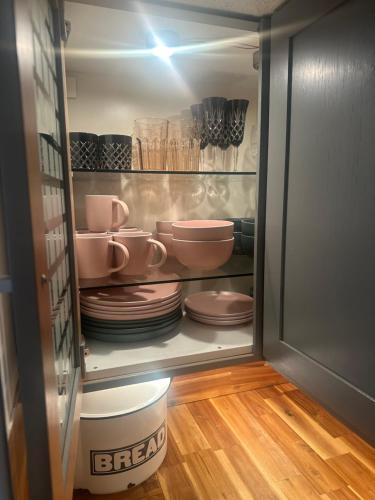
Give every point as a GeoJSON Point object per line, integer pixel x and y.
{"type": "Point", "coordinates": [163, 254]}
{"type": "Point", "coordinates": [125, 254]}
{"type": "Point", "coordinates": [125, 216]}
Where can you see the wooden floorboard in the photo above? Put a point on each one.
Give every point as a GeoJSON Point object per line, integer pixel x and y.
{"type": "Point", "coordinates": [245, 432]}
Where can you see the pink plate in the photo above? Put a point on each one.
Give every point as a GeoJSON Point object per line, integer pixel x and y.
{"type": "Point", "coordinates": [128, 317]}
{"type": "Point", "coordinates": [120, 308]}
{"type": "Point", "coordinates": [133, 295]}
{"type": "Point", "coordinates": [221, 304]}
{"type": "Point", "coordinates": [129, 306]}
{"type": "Point", "coordinates": [220, 323]}
{"type": "Point", "coordinates": [117, 310]}
{"type": "Point", "coordinates": [224, 321]}
{"type": "Point", "coordinates": [213, 318]}
{"type": "Point", "coordinates": [220, 316]}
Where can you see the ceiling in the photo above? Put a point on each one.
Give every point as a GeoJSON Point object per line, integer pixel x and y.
{"type": "Point", "coordinates": [255, 8]}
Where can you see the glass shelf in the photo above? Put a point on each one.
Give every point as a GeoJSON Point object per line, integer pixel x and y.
{"type": "Point", "coordinates": [173, 271]}
{"type": "Point", "coordinates": [172, 172]}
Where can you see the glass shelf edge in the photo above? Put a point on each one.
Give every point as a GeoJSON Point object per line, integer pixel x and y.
{"type": "Point", "coordinates": [156, 282]}
{"type": "Point", "coordinates": [168, 172]}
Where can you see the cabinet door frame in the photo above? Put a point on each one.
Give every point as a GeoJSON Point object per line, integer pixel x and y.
{"type": "Point", "coordinates": [50, 463]}
{"type": "Point", "coordinates": [323, 384]}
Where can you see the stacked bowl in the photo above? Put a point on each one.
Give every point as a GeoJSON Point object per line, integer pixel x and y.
{"type": "Point", "coordinates": [220, 308]}
{"type": "Point", "coordinates": [243, 235]}
{"type": "Point", "coordinates": [130, 314]}
{"type": "Point", "coordinates": [247, 236]}
{"type": "Point", "coordinates": [165, 236]}
{"type": "Point", "coordinates": [202, 245]}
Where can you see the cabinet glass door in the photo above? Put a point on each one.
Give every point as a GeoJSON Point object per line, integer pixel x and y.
{"type": "Point", "coordinates": [50, 126]}
{"type": "Point", "coordinates": [35, 183]}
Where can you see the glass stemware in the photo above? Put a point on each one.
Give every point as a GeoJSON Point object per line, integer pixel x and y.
{"type": "Point", "coordinates": [199, 124]}
{"type": "Point", "coordinates": [200, 130]}
{"type": "Point", "coordinates": [225, 141]}
{"type": "Point", "coordinates": [214, 117]}
{"type": "Point", "coordinates": [235, 121]}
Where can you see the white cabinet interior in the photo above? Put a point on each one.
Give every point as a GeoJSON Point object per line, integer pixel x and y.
{"type": "Point", "coordinates": [192, 344]}
{"type": "Point", "coordinates": [112, 83]}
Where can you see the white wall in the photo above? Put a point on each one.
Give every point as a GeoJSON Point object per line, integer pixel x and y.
{"type": "Point", "coordinates": [104, 104]}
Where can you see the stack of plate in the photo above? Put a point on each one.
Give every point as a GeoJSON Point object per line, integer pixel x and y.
{"type": "Point", "coordinates": [220, 308]}
{"type": "Point", "coordinates": [129, 314]}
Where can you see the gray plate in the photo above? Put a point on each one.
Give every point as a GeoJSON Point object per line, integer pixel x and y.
{"type": "Point", "coordinates": [107, 337]}
{"type": "Point", "coordinates": [86, 320]}
{"type": "Point", "coordinates": [129, 331]}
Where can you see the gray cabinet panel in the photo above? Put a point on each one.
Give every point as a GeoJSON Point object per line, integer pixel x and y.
{"type": "Point", "coordinates": [329, 292]}
{"type": "Point", "coordinates": [320, 239]}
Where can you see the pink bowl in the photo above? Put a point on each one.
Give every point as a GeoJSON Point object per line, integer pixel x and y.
{"type": "Point", "coordinates": [203, 230]}
{"type": "Point", "coordinates": [164, 226]}
{"type": "Point", "coordinates": [203, 255]}
{"type": "Point", "coordinates": [166, 239]}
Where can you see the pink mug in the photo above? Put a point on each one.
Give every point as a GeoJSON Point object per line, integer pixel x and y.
{"type": "Point", "coordinates": [105, 212]}
{"type": "Point", "coordinates": [141, 249]}
{"type": "Point", "coordinates": [95, 255]}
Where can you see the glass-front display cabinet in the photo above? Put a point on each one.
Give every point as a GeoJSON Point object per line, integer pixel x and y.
{"type": "Point", "coordinates": [163, 121]}
{"type": "Point", "coordinates": [129, 188]}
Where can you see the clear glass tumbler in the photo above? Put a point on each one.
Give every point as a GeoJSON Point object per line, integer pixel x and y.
{"type": "Point", "coordinates": [183, 146]}
{"type": "Point", "coordinates": [151, 138]}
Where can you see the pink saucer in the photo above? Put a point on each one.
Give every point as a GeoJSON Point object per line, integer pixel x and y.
{"type": "Point", "coordinates": [219, 304]}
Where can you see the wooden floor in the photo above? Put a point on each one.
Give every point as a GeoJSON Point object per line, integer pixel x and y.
{"type": "Point", "coordinates": [244, 432]}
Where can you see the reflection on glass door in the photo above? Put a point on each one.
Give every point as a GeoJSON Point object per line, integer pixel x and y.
{"type": "Point", "coordinates": [50, 126]}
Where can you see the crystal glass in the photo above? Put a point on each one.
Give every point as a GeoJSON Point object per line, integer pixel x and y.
{"type": "Point", "coordinates": [235, 123]}
{"type": "Point", "coordinates": [115, 152]}
{"type": "Point", "coordinates": [200, 130]}
{"type": "Point", "coordinates": [224, 145]}
{"type": "Point", "coordinates": [214, 117]}
{"type": "Point", "coordinates": [235, 120]}
{"type": "Point", "coordinates": [151, 137]}
{"type": "Point", "coordinates": [183, 147]}
{"type": "Point", "coordinates": [225, 140]}
{"type": "Point", "coordinates": [83, 150]}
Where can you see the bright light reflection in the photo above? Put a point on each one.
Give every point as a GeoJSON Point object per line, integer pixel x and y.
{"type": "Point", "coordinates": [162, 51]}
